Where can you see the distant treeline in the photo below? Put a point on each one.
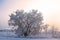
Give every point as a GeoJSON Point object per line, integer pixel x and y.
{"type": "Point", "coordinates": [6, 30]}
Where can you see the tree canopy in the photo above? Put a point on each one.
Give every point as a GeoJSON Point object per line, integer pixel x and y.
{"type": "Point", "coordinates": [27, 23]}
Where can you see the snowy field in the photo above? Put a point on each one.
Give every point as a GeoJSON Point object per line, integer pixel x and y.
{"type": "Point", "coordinates": [26, 39]}
{"type": "Point", "coordinates": [9, 36]}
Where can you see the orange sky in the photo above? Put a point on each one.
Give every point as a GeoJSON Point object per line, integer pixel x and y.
{"type": "Point", "coordinates": [49, 8]}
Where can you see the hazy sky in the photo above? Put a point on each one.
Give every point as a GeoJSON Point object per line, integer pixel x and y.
{"type": "Point", "coordinates": [49, 8]}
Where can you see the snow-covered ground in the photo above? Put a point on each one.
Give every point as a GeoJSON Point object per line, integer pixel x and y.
{"type": "Point", "coordinates": [9, 35]}
{"type": "Point", "coordinates": [26, 39]}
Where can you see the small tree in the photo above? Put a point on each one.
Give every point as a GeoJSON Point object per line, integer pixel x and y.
{"type": "Point", "coordinates": [45, 28]}
{"type": "Point", "coordinates": [54, 31]}
{"type": "Point", "coordinates": [27, 23]}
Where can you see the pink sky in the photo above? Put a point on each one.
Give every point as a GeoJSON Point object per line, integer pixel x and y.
{"type": "Point", "coordinates": [49, 8]}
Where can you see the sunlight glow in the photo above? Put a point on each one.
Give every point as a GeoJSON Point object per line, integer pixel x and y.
{"type": "Point", "coordinates": [50, 9]}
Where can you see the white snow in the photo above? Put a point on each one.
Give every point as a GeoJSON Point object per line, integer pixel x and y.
{"type": "Point", "coordinates": [9, 36]}
{"type": "Point", "coordinates": [25, 39]}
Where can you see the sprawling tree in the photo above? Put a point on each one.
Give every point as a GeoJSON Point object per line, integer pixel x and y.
{"type": "Point", "coordinates": [27, 23]}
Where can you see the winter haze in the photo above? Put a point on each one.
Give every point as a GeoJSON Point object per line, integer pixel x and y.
{"type": "Point", "coordinates": [49, 8]}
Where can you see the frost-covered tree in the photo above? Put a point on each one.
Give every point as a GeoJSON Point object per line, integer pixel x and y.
{"type": "Point", "coordinates": [45, 28]}
{"type": "Point", "coordinates": [27, 23]}
{"type": "Point", "coordinates": [54, 31]}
